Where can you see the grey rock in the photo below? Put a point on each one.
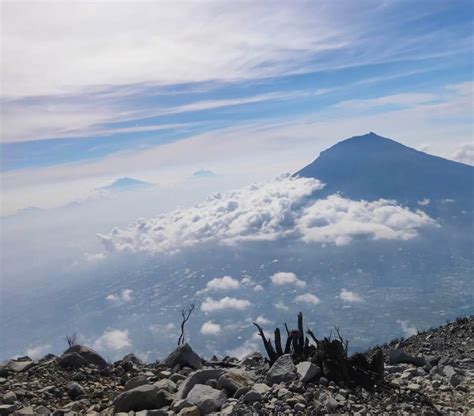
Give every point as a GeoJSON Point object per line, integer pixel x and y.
{"type": "Point", "coordinates": [134, 382]}
{"type": "Point", "coordinates": [9, 398]}
{"type": "Point", "coordinates": [6, 409]}
{"type": "Point", "coordinates": [132, 358]}
{"type": "Point", "coordinates": [142, 398]}
{"type": "Point", "coordinates": [197, 377]}
{"type": "Point", "coordinates": [307, 370]}
{"type": "Point", "coordinates": [283, 369]}
{"type": "Point", "coordinates": [15, 366]}
{"type": "Point", "coordinates": [456, 379]}
{"type": "Point", "coordinates": [231, 382]}
{"type": "Point", "coordinates": [190, 411]}
{"type": "Point", "coordinates": [252, 359]}
{"type": "Point", "coordinates": [71, 361]}
{"type": "Point", "coordinates": [42, 410]}
{"type": "Point", "coordinates": [166, 384]}
{"type": "Point", "coordinates": [252, 396]}
{"type": "Point", "coordinates": [206, 398]}
{"type": "Point", "coordinates": [86, 353]}
{"type": "Point", "coordinates": [25, 411]}
{"type": "Point", "coordinates": [75, 390]}
{"type": "Point", "coordinates": [399, 357]}
{"type": "Point", "coordinates": [184, 356]}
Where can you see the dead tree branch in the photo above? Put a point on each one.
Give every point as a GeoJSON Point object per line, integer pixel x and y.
{"type": "Point", "coordinates": [185, 314]}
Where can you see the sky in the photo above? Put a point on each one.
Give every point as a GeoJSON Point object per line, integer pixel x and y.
{"type": "Point", "coordinates": [94, 91]}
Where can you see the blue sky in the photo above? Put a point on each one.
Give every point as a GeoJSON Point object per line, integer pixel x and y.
{"type": "Point", "coordinates": [156, 90]}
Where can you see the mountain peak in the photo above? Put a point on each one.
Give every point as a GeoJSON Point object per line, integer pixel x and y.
{"type": "Point", "coordinates": [125, 183]}
{"type": "Point", "coordinates": [372, 167]}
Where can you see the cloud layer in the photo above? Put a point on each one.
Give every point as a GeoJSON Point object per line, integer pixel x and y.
{"type": "Point", "coordinates": [269, 211]}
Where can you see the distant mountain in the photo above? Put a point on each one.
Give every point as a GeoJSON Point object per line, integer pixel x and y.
{"type": "Point", "coordinates": [372, 167]}
{"type": "Point", "coordinates": [203, 173]}
{"type": "Point", "coordinates": [125, 183]}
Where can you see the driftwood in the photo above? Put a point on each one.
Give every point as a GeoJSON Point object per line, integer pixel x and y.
{"type": "Point", "coordinates": [331, 355]}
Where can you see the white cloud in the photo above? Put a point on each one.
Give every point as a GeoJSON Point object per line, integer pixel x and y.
{"type": "Point", "coordinates": [339, 220]}
{"type": "Point", "coordinates": [348, 296]}
{"type": "Point", "coordinates": [246, 348]}
{"type": "Point", "coordinates": [211, 305]}
{"type": "Point", "coordinates": [95, 257]}
{"type": "Point", "coordinates": [38, 351]}
{"type": "Point", "coordinates": [258, 288]}
{"type": "Point", "coordinates": [269, 211]}
{"type": "Point", "coordinates": [464, 154]}
{"type": "Point", "coordinates": [285, 278]}
{"type": "Point", "coordinates": [127, 295]}
{"type": "Point", "coordinates": [407, 329]}
{"type": "Point", "coordinates": [113, 340]}
{"type": "Point", "coordinates": [308, 298]}
{"type": "Point", "coordinates": [124, 296]}
{"type": "Point", "coordinates": [281, 306]}
{"type": "Point", "coordinates": [210, 328]}
{"type": "Point", "coordinates": [223, 283]}
{"type": "Point", "coordinates": [424, 202]}
{"type": "Point", "coordinates": [105, 43]}
{"type": "Point", "coordinates": [262, 320]}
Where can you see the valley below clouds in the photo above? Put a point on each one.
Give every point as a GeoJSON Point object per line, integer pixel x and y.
{"type": "Point", "coordinates": [260, 254]}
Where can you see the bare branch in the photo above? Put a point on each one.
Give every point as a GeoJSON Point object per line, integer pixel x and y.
{"type": "Point", "coordinates": [185, 314]}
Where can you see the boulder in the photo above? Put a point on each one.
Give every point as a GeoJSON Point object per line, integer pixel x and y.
{"type": "Point", "coordinates": [135, 382]}
{"type": "Point", "coordinates": [166, 384]}
{"type": "Point", "coordinates": [184, 356]}
{"type": "Point", "coordinates": [132, 358]}
{"type": "Point", "coordinates": [9, 398]}
{"type": "Point", "coordinates": [401, 357]}
{"type": "Point", "coordinates": [252, 359]}
{"type": "Point", "coordinates": [282, 370]}
{"type": "Point", "coordinates": [252, 396]}
{"type": "Point", "coordinates": [6, 409]}
{"type": "Point", "coordinates": [15, 366]}
{"type": "Point", "coordinates": [307, 370]}
{"type": "Point", "coordinates": [75, 390]}
{"type": "Point", "coordinates": [231, 382]}
{"type": "Point", "coordinates": [197, 377]}
{"type": "Point", "coordinates": [141, 398]}
{"type": "Point", "coordinates": [190, 411]}
{"type": "Point", "coordinates": [70, 359]}
{"type": "Point", "coordinates": [206, 398]}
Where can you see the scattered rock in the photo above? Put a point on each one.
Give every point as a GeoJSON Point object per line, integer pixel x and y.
{"type": "Point", "coordinates": [307, 370]}
{"type": "Point", "coordinates": [197, 377]}
{"type": "Point", "coordinates": [86, 353]}
{"type": "Point", "coordinates": [142, 398]}
{"type": "Point", "coordinates": [401, 357]}
{"type": "Point", "coordinates": [206, 398]}
{"type": "Point", "coordinates": [282, 370]}
{"type": "Point", "coordinates": [9, 398]}
{"type": "Point", "coordinates": [184, 356]}
{"type": "Point", "coordinates": [75, 390]}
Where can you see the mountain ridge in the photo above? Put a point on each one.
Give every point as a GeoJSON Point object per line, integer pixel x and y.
{"type": "Point", "coordinates": [372, 167]}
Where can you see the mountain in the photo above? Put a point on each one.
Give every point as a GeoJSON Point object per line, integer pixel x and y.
{"type": "Point", "coordinates": [204, 173]}
{"type": "Point", "coordinates": [371, 167]}
{"type": "Point", "coordinates": [125, 183]}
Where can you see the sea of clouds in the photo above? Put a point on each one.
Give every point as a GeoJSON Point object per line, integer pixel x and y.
{"type": "Point", "coordinates": [284, 208]}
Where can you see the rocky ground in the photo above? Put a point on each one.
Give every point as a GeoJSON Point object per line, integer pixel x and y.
{"type": "Point", "coordinates": [431, 373]}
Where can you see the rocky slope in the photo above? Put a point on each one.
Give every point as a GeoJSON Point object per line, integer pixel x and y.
{"type": "Point", "coordinates": [429, 374]}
